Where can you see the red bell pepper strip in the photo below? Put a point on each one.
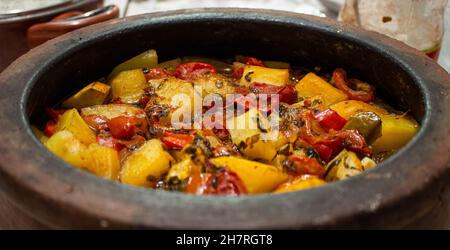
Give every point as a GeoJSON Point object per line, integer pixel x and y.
{"type": "Point", "coordinates": [193, 70]}
{"type": "Point", "coordinates": [306, 165]}
{"type": "Point", "coordinates": [340, 78]}
{"type": "Point", "coordinates": [237, 74]}
{"type": "Point", "coordinates": [253, 61]}
{"type": "Point", "coordinates": [287, 94]}
{"type": "Point", "coordinates": [177, 141]}
{"type": "Point", "coordinates": [330, 119]}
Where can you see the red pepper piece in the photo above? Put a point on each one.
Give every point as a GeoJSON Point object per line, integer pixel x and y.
{"type": "Point", "coordinates": [156, 73]}
{"type": "Point", "coordinates": [253, 61]}
{"type": "Point", "coordinates": [193, 70]}
{"type": "Point", "coordinates": [177, 141]}
{"type": "Point", "coordinates": [222, 183]}
{"type": "Point", "coordinates": [287, 94]}
{"type": "Point", "coordinates": [340, 78]}
{"type": "Point", "coordinates": [237, 74]}
{"type": "Point", "coordinates": [54, 113]}
{"type": "Point", "coordinates": [306, 165]}
{"type": "Point", "coordinates": [50, 128]}
{"type": "Point", "coordinates": [122, 127]}
{"type": "Point", "coordinates": [330, 119]}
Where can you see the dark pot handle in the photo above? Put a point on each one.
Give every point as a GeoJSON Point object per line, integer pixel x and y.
{"type": "Point", "coordinates": [66, 22]}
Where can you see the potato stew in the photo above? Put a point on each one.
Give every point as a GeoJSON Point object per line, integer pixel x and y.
{"type": "Point", "coordinates": [224, 127]}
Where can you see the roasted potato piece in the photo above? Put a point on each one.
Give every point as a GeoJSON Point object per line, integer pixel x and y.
{"type": "Point", "coordinates": [312, 86]}
{"type": "Point", "coordinates": [102, 161]}
{"type": "Point", "coordinates": [215, 84]}
{"type": "Point", "coordinates": [257, 177]}
{"type": "Point", "coordinates": [65, 145]}
{"type": "Point", "coordinates": [277, 77]}
{"type": "Point", "coordinates": [128, 86]}
{"type": "Point", "coordinates": [246, 133]}
{"type": "Point", "coordinates": [147, 59]}
{"type": "Point", "coordinates": [146, 164]}
{"type": "Point", "coordinates": [345, 164]}
{"type": "Point", "coordinates": [73, 122]}
{"type": "Point", "coordinates": [93, 94]}
{"type": "Point", "coordinates": [182, 170]}
{"type": "Point", "coordinates": [300, 183]}
{"type": "Point", "coordinates": [167, 89]}
{"type": "Point", "coordinates": [110, 111]}
{"type": "Point", "coordinates": [396, 130]}
{"type": "Point", "coordinates": [349, 108]}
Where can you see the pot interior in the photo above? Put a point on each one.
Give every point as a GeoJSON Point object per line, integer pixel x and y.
{"type": "Point", "coordinates": [306, 44]}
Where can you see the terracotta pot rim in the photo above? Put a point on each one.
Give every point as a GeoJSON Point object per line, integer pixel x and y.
{"type": "Point", "coordinates": [122, 205]}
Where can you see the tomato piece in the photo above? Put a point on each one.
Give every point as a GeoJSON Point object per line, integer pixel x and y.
{"type": "Point", "coordinates": [223, 183]}
{"type": "Point", "coordinates": [122, 127]}
{"type": "Point", "coordinates": [306, 165]}
{"type": "Point", "coordinates": [50, 128]}
{"type": "Point", "coordinates": [193, 70]}
{"type": "Point", "coordinates": [155, 73]}
{"type": "Point", "coordinates": [177, 141]}
{"type": "Point", "coordinates": [330, 119]}
{"type": "Point", "coordinates": [287, 94]}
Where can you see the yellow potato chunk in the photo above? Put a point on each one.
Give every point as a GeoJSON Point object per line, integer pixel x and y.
{"type": "Point", "coordinates": [301, 183]}
{"type": "Point", "coordinates": [149, 162]}
{"type": "Point", "coordinates": [246, 133]}
{"type": "Point", "coordinates": [128, 86]}
{"type": "Point", "coordinates": [110, 111]}
{"type": "Point", "coordinates": [146, 59]}
{"type": "Point", "coordinates": [73, 122]}
{"type": "Point", "coordinates": [313, 87]}
{"type": "Point", "coordinates": [396, 130]}
{"type": "Point", "coordinates": [277, 77]}
{"type": "Point", "coordinates": [67, 146]}
{"type": "Point", "coordinates": [346, 109]}
{"type": "Point", "coordinates": [93, 94]}
{"type": "Point", "coordinates": [102, 161]}
{"type": "Point", "coordinates": [346, 164]}
{"type": "Point", "coordinates": [257, 177]}
{"type": "Point", "coordinates": [182, 170]}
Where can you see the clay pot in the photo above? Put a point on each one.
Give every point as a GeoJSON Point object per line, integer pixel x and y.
{"type": "Point", "coordinates": [408, 190]}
